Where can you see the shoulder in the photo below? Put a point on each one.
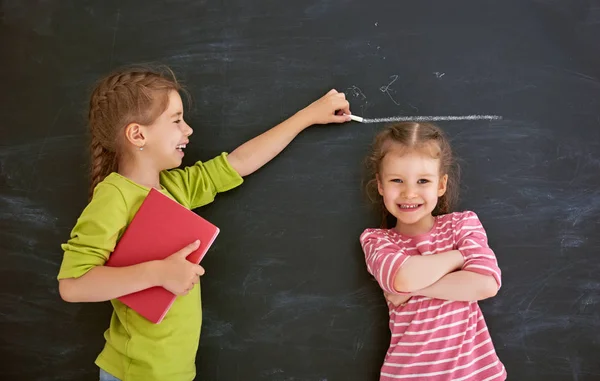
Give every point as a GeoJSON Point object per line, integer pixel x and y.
{"type": "Point", "coordinates": [463, 217]}
{"type": "Point", "coordinates": [103, 218]}
{"type": "Point", "coordinates": [108, 207]}
{"type": "Point", "coordinates": [466, 217]}
{"type": "Point", "coordinates": [374, 234]}
{"type": "Point", "coordinates": [109, 191]}
{"type": "Point", "coordinates": [466, 223]}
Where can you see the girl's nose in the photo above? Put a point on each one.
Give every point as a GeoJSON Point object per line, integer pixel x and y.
{"type": "Point", "coordinates": [409, 192]}
{"type": "Point", "coordinates": [188, 130]}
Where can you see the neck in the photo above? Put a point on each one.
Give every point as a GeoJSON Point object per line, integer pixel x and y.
{"type": "Point", "coordinates": [140, 172]}
{"type": "Point", "coordinates": [422, 226]}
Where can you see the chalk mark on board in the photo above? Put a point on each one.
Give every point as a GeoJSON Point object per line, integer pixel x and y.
{"type": "Point", "coordinates": [386, 89]}
{"type": "Point", "coordinates": [42, 147]}
{"type": "Point", "coordinates": [357, 92]}
{"type": "Point", "coordinates": [438, 74]}
{"type": "Point", "coordinates": [112, 49]}
{"type": "Point", "coordinates": [358, 346]}
{"type": "Point", "coordinates": [414, 107]}
{"type": "Point", "coordinates": [540, 286]}
{"type": "Point", "coordinates": [431, 118]}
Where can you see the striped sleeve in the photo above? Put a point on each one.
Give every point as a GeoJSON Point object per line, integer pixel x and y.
{"type": "Point", "coordinates": [384, 258]}
{"type": "Point", "coordinates": [471, 241]}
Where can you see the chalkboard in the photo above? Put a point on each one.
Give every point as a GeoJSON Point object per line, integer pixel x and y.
{"type": "Point", "coordinates": [286, 294]}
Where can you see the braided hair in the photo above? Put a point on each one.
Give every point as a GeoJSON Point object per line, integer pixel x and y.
{"type": "Point", "coordinates": [131, 95]}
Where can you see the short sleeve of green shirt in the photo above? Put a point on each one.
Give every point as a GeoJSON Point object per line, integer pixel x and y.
{"type": "Point", "coordinates": [197, 185]}
{"type": "Point", "coordinates": [96, 232]}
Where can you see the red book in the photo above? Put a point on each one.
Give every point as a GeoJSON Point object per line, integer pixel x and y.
{"type": "Point", "coordinates": [160, 227]}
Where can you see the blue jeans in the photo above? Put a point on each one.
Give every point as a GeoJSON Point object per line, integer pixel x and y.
{"type": "Point", "coordinates": [105, 376]}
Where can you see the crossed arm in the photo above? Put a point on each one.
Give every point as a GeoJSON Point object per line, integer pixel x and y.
{"type": "Point", "coordinates": [469, 273]}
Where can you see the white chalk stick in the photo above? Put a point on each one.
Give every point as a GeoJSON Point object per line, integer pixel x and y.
{"type": "Point", "coordinates": [356, 118]}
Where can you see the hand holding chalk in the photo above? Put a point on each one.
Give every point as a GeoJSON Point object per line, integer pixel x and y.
{"type": "Point", "coordinates": [330, 108]}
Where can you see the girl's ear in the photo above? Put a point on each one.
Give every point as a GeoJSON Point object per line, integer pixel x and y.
{"type": "Point", "coordinates": [379, 185]}
{"type": "Point", "coordinates": [135, 135]}
{"type": "Point", "coordinates": [443, 186]}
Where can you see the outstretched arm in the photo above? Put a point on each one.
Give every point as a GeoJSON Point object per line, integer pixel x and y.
{"type": "Point", "coordinates": [258, 151]}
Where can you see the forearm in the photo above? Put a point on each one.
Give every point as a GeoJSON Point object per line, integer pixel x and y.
{"type": "Point", "coordinates": [419, 272]}
{"type": "Point", "coordinates": [462, 286]}
{"type": "Point", "coordinates": [397, 299]}
{"type": "Point", "coordinates": [258, 151]}
{"type": "Point", "coordinates": [105, 283]}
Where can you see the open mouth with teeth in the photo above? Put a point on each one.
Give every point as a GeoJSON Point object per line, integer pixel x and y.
{"type": "Point", "coordinates": [181, 147]}
{"type": "Point", "coordinates": [409, 207]}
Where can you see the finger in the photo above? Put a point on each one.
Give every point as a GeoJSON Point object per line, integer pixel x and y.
{"type": "Point", "coordinates": [188, 289]}
{"type": "Point", "coordinates": [345, 107]}
{"type": "Point", "coordinates": [196, 280]}
{"type": "Point", "coordinates": [340, 119]}
{"type": "Point", "coordinates": [342, 113]}
{"type": "Point", "coordinates": [332, 91]}
{"type": "Point", "coordinates": [189, 248]}
{"type": "Point", "coordinates": [199, 270]}
{"type": "Point", "coordinates": [340, 104]}
{"type": "Point", "coordinates": [340, 95]}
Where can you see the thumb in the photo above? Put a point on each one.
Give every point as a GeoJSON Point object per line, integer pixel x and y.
{"type": "Point", "coordinates": [332, 91]}
{"type": "Point", "coordinates": [188, 249]}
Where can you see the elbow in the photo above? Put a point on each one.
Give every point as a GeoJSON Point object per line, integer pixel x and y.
{"type": "Point", "coordinates": [237, 164]}
{"type": "Point", "coordinates": [66, 289]}
{"type": "Point", "coordinates": [404, 284]}
{"type": "Point", "coordinates": [408, 280]}
{"type": "Point", "coordinates": [488, 289]}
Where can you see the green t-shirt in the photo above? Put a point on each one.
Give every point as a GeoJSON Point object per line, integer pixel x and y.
{"type": "Point", "coordinates": [135, 348]}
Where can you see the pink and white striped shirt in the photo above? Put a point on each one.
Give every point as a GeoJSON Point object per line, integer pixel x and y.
{"type": "Point", "coordinates": [434, 339]}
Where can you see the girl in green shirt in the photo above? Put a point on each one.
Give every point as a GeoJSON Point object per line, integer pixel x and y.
{"type": "Point", "coordinates": [138, 140]}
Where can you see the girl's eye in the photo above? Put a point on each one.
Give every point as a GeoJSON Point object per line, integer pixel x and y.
{"type": "Point", "coordinates": [177, 121]}
{"type": "Point", "coordinates": [422, 181]}
{"type": "Point", "coordinates": [396, 181]}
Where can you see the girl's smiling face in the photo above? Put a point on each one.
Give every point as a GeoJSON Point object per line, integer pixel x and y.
{"type": "Point", "coordinates": [168, 136]}
{"type": "Point", "coordinates": [410, 184]}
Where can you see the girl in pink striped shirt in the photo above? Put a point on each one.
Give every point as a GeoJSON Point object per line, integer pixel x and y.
{"type": "Point", "coordinates": [433, 265]}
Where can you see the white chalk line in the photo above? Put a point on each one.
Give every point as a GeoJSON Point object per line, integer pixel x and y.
{"type": "Point", "coordinates": [430, 118]}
